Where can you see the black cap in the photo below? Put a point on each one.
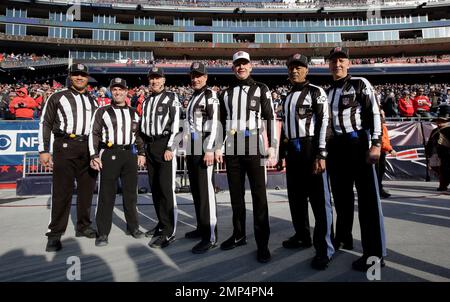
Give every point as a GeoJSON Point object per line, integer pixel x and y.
{"type": "Point", "coordinates": [198, 67]}
{"type": "Point", "coordinates": [156, 71]}
{"type": "Point", "coordinates": [78, 68]}
{"type": "Point", "coordinates": [118, 82]}
{"type": "Point", "coordinates": [339, 51]}
{"type": "Point", "coordinates": [297, 58]}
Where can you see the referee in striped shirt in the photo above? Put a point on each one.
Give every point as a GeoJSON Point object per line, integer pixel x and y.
{"type": "Point", "coordinates": [353, 149]}
{"type": "Point", "coordinates": [67, 114]}
{"type": "Point", "coordinates": [305, 123]}
{"type": "Point", "coordinates": [243, 107]}
{"type": "Point", "coordinates": [202, 120]}
{"type": "Point", "coordinates": [160, 122]}
{"type": "Point", "coordinates": [116, 150]}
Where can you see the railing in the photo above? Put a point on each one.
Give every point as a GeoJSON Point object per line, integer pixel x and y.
{"type": "Point", "coordinates": [31, 63]}
{"type": "Point", "coordinates": [32, 167]}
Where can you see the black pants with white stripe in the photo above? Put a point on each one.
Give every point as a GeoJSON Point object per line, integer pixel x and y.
{"type": "Point", "coordinates": [302, 185]}
{"type": "Point", "coordinates": [161, 177]}
{"type": "Point", "coordinates": [117, 164]}
{"type": "Point", "coordinates": [71, 162]}
{"type": "Point", "coordinates": [347, 166]}
{"type": "Point", "coordinates": [201, 179]}
{"type": "Point", "coordinates": [237, 167]}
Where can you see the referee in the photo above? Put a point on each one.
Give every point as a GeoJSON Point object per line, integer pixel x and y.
{"type": "Point", "coordinates": [67, 114]}
{"type": "Point", "coordinates": [116, 151]}
{"type": "Point", "coordinates": [305, 122]}
{"type": "Point", "coordinates": [159, 125]}
{"type": "Point", "coordinates": [243, 106]}
{"type": "Point", "coordinates": [353, 149]}
{"type": "Point", "coordinates": [202, 118]}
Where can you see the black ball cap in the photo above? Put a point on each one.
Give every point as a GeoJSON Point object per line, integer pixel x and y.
{"type": "Point", "coordinates": [156, 71]}
{"type": "Point", "coordinates": [78, 68]}
{"type": "Point", "coordinates": [118, 82]}
{"type": "Point", "coordinates": [297, 58]}
{"type": "Point", "coordinates": [198, 67]}
{"type": "Point", "coordinates": [339, 51]}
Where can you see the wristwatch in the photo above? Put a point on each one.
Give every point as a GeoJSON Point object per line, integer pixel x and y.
{"type": "Point", "coordinates": [322, 154]}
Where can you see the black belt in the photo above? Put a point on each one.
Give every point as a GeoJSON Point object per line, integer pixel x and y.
{"type": "Point", "coordinates": [78, 138]}
{"type": "Point", "coordinates": [152, 138]}
{"type": "Point", "coordinates": [115, 147]}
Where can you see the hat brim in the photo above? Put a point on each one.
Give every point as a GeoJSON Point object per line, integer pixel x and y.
{"type": "Point", "coordinates": [241, 59]}
{"type": "Point", "coordinates": [79, 72]}
{"type": "Point", "coordinates": [296, 62]}
{"type": "Point", "coordinates": [118, 85]}
{"type": "Point", "coordinates": [197, 72]}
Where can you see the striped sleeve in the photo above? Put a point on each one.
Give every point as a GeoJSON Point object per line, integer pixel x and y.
{"type": "Point", "coordinates": [96, 132]}
{"type": "Point", "coordinates": [213, 109]}
{"type": "Point", "coordinates": [322, 117]}
{"type": "Point", "coordinates": [268, 114]}
{"type": "Point", "coordinates": [46, 123]}
{"type": "Point", "coordinates": [174, 112]}
{"type": "Point", "coordinates": [369, 98]}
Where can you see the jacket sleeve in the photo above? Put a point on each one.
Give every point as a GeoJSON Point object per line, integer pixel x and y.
{"type": "Point", "coordinates": [268, 114]}
{"type": "Point", "coordinates": [96, 133]}
{"type": "Point", "coordinates": [46, 122]}
{"type": "Point", "coordinates": [174, 115]}
{"type": "Point", "coordinates": [372, 110]}
{"type": "Point", "coordinates": [321, 109]}
{"type": "Point", "coordinates": [213, 116]}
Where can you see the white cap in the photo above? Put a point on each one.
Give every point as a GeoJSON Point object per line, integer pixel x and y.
{"type": "Point", "coordinates": [241, 55]}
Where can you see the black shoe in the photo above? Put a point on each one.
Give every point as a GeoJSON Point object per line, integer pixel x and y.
{"type": "Point", "coordinates": [347, 245]}
{"type": "Point", "coordinates": [320, 262]}
{"type": "Point", "coordinates": [162, 242]}
{"type": "Point", "coordinates": [294, 243]}
{"type": "Point", "coordinates": [203, 246]}
{"type": "Point", "coordinates": [232, 242]}
{"type": "Point", "coordinates": [384, 194]}
{"type": "Point", "coordinates": [155, 232]}
{"type": "Point", "coordinates": [136, 233]}
{"type": "Point", "coordinates": [101, 240]}
{"type": "Point", "coordinates": [263, 255]}
{"type": "Point", "coordinates": [362, 266]}
{"type": "Point", "coordinates": [53, 245]}
{"type": "Point", "coordinates": [193, 234]}
{"type": "Point", "coordinates": [87, 232]}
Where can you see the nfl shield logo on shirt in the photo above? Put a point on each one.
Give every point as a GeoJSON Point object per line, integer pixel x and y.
{"type": "Point", "coordinates": [345, 101]}
{"type": "Point", "coordinates": [301, 111]}
{"type": "Point", "coordinates": [252, 103]}
{"type": "Point", "coordinates": [160, 109]}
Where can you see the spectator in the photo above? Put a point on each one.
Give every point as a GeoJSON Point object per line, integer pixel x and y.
{"type": "Point", "coordinates": [405, 105]}
{"type": "Point", "coordinates": [390, 105]}
{"type": "Point", "coordinates": [421, 104]}
{"type": "Point", "coordinates": [444, 104]}
{"type": "Point", "coordinates": [23, 105]}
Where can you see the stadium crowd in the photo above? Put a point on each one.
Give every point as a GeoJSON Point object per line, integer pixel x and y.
{"type": "Point", "coordinates": [25, 101]}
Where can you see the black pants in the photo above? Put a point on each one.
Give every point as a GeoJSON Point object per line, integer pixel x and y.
{"type": "Point", "coordinates": [444, 169]}
{"type": "Point", "coordinates": [381, 169]}
{"type": "Point", "coordinates": [347, 166]}
{"type": "Point", "coordinates": [71, 162]}
{"type": "Point", "coordinates": [237, 167]}
{"type": "Point", "coordinates": [117, 164]}
{"type": "Point", "coordinates": [161, 177]}
{"type": "Point", "coordinates": [201, 179]}
{"type": "Point", "coordinates": [302, 185]}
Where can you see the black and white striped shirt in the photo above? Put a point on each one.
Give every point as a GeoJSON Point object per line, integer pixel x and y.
{"type": "Point", "coordinates": [354, 107]}
{"type": "Point", "coordinates": [202, 115]}
{"type": "Point", "coordinates": [65, 112]}
{"type": "Point", "coordinates": [245, 104]}
{"type": "Point", "coordinates": [161, 115]}
{"type": "Point", "coordinates": [305, 112]}
{"type": "Point", "coordinates": [116, 125]}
